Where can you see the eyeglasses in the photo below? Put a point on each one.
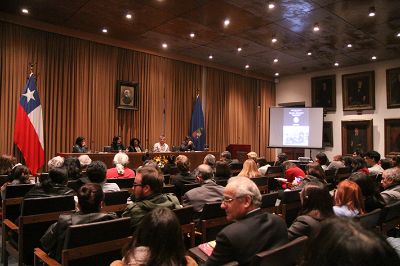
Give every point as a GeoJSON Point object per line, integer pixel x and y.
{"type": "Point", "coordinates": [137, 185]}
{"type": "Point", "coordinates": [226, 200]}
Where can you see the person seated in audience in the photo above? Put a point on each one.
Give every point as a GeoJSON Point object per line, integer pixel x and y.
{"type": "Point", "coordinates": [396, 161]}
{"type": "Point", "coordinates": [252, 155]}
{"type": "Point", "coordinates": [262, 165]}
{"type": "Point", "coordinates": [345, 242]}
{"type": "Point", "coordinates": [222, 171]}
{"type": "Point", "coordinates": [292, 171]}
{"type": "Point", "coordinates": [147, 195]}
{"type": "Point", "coordinates": [90, 201]}
{"type": "Point", "coordinates": [210, 160]}
{"type": "Point", "coordinates": [348, 161]}
{"type": "Point", "coordinates": [282, 157]}
{"type": "Point", "coordinates": [80, 145]}
{"type": "Point", "coordinates": [53, 185]}
{"type": "Point", "coordinates": [55, 162]}
{"type": "Point", "coordinates": [73, 167]}
{"type": "Point", "coordinates": [316, 206]}
{"type": "Point", "coordinates": [348, 199]}
{"type": "Point", "coordinates": [161, 146]}
{"type": "Point", "coordinates": [84, 161]}
{"type": "Point", "coordinates": [208, 192]}
{"type": "Point", "coordinates": [184, 176]}
{"type": "Point", "coordinates": [252, 230]}
{"type": "Point", "coordinates": [146, 247]}
{"type": "Point", "coordinates": [250, 169]}
{"type": "Point", "coordinates": [322, 160]}
{"type": "Point", "coordinates": [120, 170]}
{"type": "Point", "coordinates": [226, 156]}
{"type": "Point", "coordinates": [18, 175]}
{"type": "Point", "coordinates": [385, 163]}
{"type": "Point", "coordinates": [187, 144]}
{"type": "Point", "coordinates": [358, 153]}
{"type": "Point", "coordinates": [315, 169]}
{"type": "Point", "coordinates": [391, 185]}
{"type": "Point", "coordinates": [117, 145]}
{"type": "Point", "coordinates": [96, 173]}
{"type": "Point", "coordinates": [372, 198]}
{"type": "Point", "coordinates": [336, 163]}
{"type": "Point", "coordinates": [170, 168]}
{"type": "Point", "coordinates": [372, 159]}
{"type": "Point", "coordinates": [7, 163]}
{"type": "Point", "coordinates": [135, 145]}
{"type": "Point", "coordinates": [359, 165]}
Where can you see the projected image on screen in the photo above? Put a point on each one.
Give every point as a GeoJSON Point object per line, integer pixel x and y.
{"type": "Point", "coordinates": [295, 127]}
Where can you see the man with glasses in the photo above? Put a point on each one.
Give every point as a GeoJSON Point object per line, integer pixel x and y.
{"type": "Point", "coordinates": [147, 195]}
{"type": "Point", "coordinates": [391, 185]}
{"type": "Point", "coordinates": [253, 230]}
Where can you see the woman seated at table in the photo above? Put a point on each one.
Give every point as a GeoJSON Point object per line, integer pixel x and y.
{"type": "Point", "coordinates": [120, 170]}
{"type": "Point", "coordinates": [80, 145]}
{"type": "Point", "coordinates": [117, 145]}
{"type": "Point", "coordinates": [135, 145]}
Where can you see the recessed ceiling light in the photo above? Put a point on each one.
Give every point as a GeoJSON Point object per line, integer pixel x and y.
{"type": "Point", "coordinates": [25, 11]}
{"type": "Point", "coordinates": [349, 45]}
{"type": "Point", "coordinates": [104, 30]}
{"type": "Point", "coordinates": [192, 35]}
{"type": "Point", "coordinates": [276, 60]}
{"type": "Point", "coordinates": [336, 64]}
{"type": "Point", "coordinates": [210, 56]}
{"type": "Point", "coordinates": [371, 12]}
{"type": "Point", "coordinates": [373, 57]}
{"type": "Point", "coordinates": [276, 74]}
{"type": "Point", "coordinates": [309, 53]}
{"type": "Point", "coordinates": [246, 66]}
{"type": "Point", "coordinates": [227, 22]}
{"type": "Point", "coordinates": [164, 45]}
{"type": "Point", "coordinates": [398, 34]}
{"type": "Point", "coordinates": [274, 39]}
{"type": "Point", "coordinates": [316, 27]}
{"type": "Point", "coordinates": [239, 49]}
{"type": "Point", "coordinates": [271, 5]}
{"type": "Point", "coordinates": [128, 16]}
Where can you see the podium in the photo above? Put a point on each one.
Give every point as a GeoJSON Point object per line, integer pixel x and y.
{"type": "Point", "coordinates": [239, 151]}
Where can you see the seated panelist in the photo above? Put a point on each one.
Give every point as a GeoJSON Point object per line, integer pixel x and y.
{"type": "Point", "coordinates": [187, 144]}
{"type": "Point", "coordinates": [80, 145]}
{"type": "Point", "coordinates": [117, 145]}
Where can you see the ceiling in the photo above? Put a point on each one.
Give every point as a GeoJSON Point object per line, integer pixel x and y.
{"type": "Point", "coordinates": [252, 27]}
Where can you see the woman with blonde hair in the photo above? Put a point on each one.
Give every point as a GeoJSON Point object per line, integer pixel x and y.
{"type": "Point", "coordinates": [349, 200]}
{"type": "Point", "coordinates": [120, 170]}
{"type": "Point", "coordinates": [250, 169]}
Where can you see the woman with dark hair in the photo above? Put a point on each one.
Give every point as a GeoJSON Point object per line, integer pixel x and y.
{"type": "Point", "coordinates": [345, 242]}
{"type": "Point", "coordinates": [187, 144]}
{"type": "Point", "coordinates": [348, 199]}
{"type": "Point", "coordinates": [146, 247]}
{"type": "Point", "coordinates": [316, 170]}
{"type": "Point", "coordinates": [347, 161]}
{"type": "Point", "coordinates": [73, 167]}
{"type": "Point", "coordinates": [322, 160]}
{"type": "Point", "coordinates": [317, 205]}
{"type": "Point", "coordinates": [7, 163]}
{"type": "Point", "coordinates": [117, 145]}
{"type": "Point", "coordinates": [135, 145]}
{"type": "Point", "coordinates": [372, 197]}
{"type": "Point", "coordinates": [359, 165]}
{"type": "Point", "coordinates": [19, 175]}
{"type": "Point", "coordinates": [80, 145]}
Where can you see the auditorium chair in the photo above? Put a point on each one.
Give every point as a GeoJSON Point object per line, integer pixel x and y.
{"type": "Point", "coordinates": [268, 202]}
{"type": "Point", "coordinates": [391, 217]}
{"type": "Point", "coordinates": [262, 183]}
{"type": "Point", "coordinates": [185, 217]}
{"type": "Point", "coordinates": [371, 220]}
{"type": "Point", "coordinates": [212, 220]}
{"type": "Point", "coordinates": [122, 182]}
{"type": "Point", "coordinates": [37, 214]}
{"type": "Point", "coordinates": [115, 201]}
{"type": "Point", "coordinates": [330, 177]}
{"type": "Point", "coordinates": [168, 189]}
{"type": "Point", "coordinates": [287, 255]}
{"type": "Point", "coordinates": [107, 149]}
{"type": "Point", "coordinates": [97, 243]}
{"type": "Point", "coordinates": [236, 167]}
{"type": "Point", "coordinates": [289, 206]}
{"type": "Point", "coordinates": [75, 184]}
{"type": "Point", "coordinates": [272, 173]}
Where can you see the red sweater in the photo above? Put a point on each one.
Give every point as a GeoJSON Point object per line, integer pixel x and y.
{"type": "Point", "coordinates": [112, 173]}
{"type": "Point", "coordinates": [293, 172]}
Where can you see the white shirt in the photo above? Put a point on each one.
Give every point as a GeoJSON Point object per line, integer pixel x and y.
{"type": "Point", "coordinates": [160, 148]}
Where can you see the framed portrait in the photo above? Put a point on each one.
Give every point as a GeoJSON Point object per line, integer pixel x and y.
{"type": "Point", "coordinates": [393, 87]}
{"type": "Point", "coordinates": [359, 91]}
{"type": "Point", "coordinates": [392, 136]}
{"type": "Point", "coordinates": [327, 134]}
{"type": "Point", "coordinates": [127, 96]}
{"type": "Point", "coordinates": [323, 92]}
{"type": "Point", "coordinates": [357, 136]}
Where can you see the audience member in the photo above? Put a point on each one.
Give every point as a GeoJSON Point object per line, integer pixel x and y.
{"type": "Point", "coordinates": [345, 242]}
{"type": "Point", "coordinates": [184, 176]}
{"type": "Point", "coordinates": [252, 230]}
{"type": "Point", "coordinates": [262, 165]}
{"type": "Point", "coordinates": [19, 175]}
{"type": "Point", "coordinates": [322, 160]}
{"type": "Point", "coordinates": [207, 193]}
{"type": "Point", "coordinates": [7, 163]}
{"type": "Point", "coordinates": [161, 146]}
{"type": "Point", "coordinates": [348, 200]}
{"type": "Point", "coordinates": [117, 145]}
{"type": "Point", "coordinates": [120, 170]}
{"type": "Point", "coordinates": [170, 168]}
{"type": "Point", "coordinates": [209, 159]}
{"type": "Point", "coordinates": [250, 169]}
{"type": "Point", "coordinates": [359, 165]}
{"type": "Point", "coordinates": [80, 145]}
{"type": "Point", "coordinates": [292, 171]}
{"type": "Point", "coordinates": [54, 185]}
{"type": "Point", "coordinates": [157, 241]}
{"type": "Point", "coordinates": [385, 163]}
{"type": "Point", "coordinates": [372, 159]}
{"type": "Point", "coordinates": [187, 144]}
{"type": "Point", "coordinates": [147, 195]}
{"type": "Point", "coordinates": [336, 163]}
{"type": "Point", "coordinates": [252, 155]}
{"type": "Point", "coordinates": [391, 185]}
{"type": "Point", "coordinates": [222, 171]}
{"type": "Point", "coordinates": [316, 206]}
{"type": "Point", "coordinates": [348, 161]}
{"type": "Point", "coordinates": [358, 153]}
{"type": "Point", "coordinates": [55, 162]}
{"type": "Point", "coordinates": [282, 157]}
{"type": "Point", "coordinates": [226, 156]}
{"type": "Point", "coordinates": [315, 169]}
{"type": "Point", "coordinates": [90, 201]}
{"type": "Point", "coordinates": [96, 173]}
{"type": "Point", "coordinates": [73, 167]}
{"type": "Point", "coordinates": [135, 145]}
{"type": "Point", "coordinates": [84, 161]}
{"type": "Point", "coordinates": [396, 161]}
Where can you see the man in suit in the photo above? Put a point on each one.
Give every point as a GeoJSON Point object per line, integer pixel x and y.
{"type": "Point", "coordinates": [253, 230]}
{"type": "Point", "coordinates": [207, 193]}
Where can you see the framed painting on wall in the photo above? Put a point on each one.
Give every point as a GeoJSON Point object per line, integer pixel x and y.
{"type": "Point", "coordinates": [127, 95]}
{"type": "Point", "coordinates": [392, 136]}
{"type": "Point", "coordinates": [357, 136]}
{"type": "Point", "coordinates": [393, 87]}
{"type": "Point", "coordinates": [323, 92]}
{"type": "Point", "coordinates": [358, 91]}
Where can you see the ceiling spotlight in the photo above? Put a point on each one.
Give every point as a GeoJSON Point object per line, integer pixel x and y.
{"type": "Point", "coordinates": [164, 45]}
{"type": "Point", "coordinates": [210, 56]}
{"type": "Point", "coordinates": [309, 53]}
{"type": "Point", "coordinates": [349, 45]}
{"type": "Point", "coordinates": [192, 35]}
{"type": "Point", "coordinates": [371, 12]}
{"type": "Point", "coordinates": [128, 16]}
{"type": "Point", "coordinates": [271, 5]}
{"type": "Point", "coordinates": [398, 35]}
{"type": "Point", "coordinates": [239, 49]}
{"type": "Point", "coordinates": [276, 74]}
{"type": "Point", "coordinates": [104, 30]}
{"type": "Point", "coordinates": [316, 27]}
{"type": "Point", "coordinates": [246, 66]}
{"type": "Point", "coordinates": [25, 11]}
{"type": "Point", "coordinates": [336, 64]}
{"type": "Point", "coordinates": [373, 57]}
{"type": "Point", "coordinates": [227, 22]}
{"type": "Point", "coordinates": [276, 60]}
{"type": "Point", "coordinates": [274, 39]}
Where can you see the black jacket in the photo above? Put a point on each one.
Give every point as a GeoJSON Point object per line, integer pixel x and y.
{"type": "Point", "coordinates": [52, 190]}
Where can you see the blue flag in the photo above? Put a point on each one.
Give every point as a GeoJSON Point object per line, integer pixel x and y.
{"type": "Point", "coordinates": [197, 126]}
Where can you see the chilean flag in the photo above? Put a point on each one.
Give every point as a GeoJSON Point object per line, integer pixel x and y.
{"type": "Point", "coordinates": [28, 131]}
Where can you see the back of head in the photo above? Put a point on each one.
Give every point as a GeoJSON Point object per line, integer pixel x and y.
{"type": "Point", "coordinates": [204, 171]}
{"type": "Point", "coordinates": [20, 173]}
{"type": "Point", "coordinates": [121, 158]}
{"type": "Point", "coordinates": [366, 184]}
{"type": "Point", "coordinates": [84, 160]}
{"type": "Point", "coordinates": [183, 163]}
{"type": "Point", "coordinates": [73, 167]}
{"type": "Point", "coordinates": [249, 169]}
{"type": "Point", "coordinates": [151, 177]}
{"type": "Point", "coordinates": [373, 155]}
{"type": "Point", "coordinates": [385, 163]}
{"type": "Point", "coordinates": [282, 157]}
{"type": "Point", "coordinates": [288, 164]}
{"type": "Point", "coordinates": [7, 162]}
{"type": "Point", "coordinates": [222, 169]}
{"type": "Point", "coordinates": [90, 197]}
{"type": "Point", "coordinates": [226, 155]}
{"type": "Point", "coordinates": [322, 158]}
{"type": "Point", "coordinates": [210, 160]}
{"type": "Point", "coordinates": [316, 197]}
{"type": "Point", "coordinates": [96, 172]}
{"type": "Point", "coordinates": [349, 193]}
{"type": "Point", "coordinates": [55, 162]}
{"type": "Point", "coordinates": [316, 170]}
{"type": "Point", "coordinates": [58, 176]}
{"type": "Point", "coordinates": [161, 223]}
{"type": "Point", "coordinates": [396, 161]}
{"type": "Point", "coordinates": [358, 163]}
{"type": "Point", "coordinates": [348, 161]}
{"type": "Point", "coordinates": [261, 161]}
{"type": "Point", "coordinates": [245, 186]}
{"type": "Point", "coordinates": [344, 242]}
